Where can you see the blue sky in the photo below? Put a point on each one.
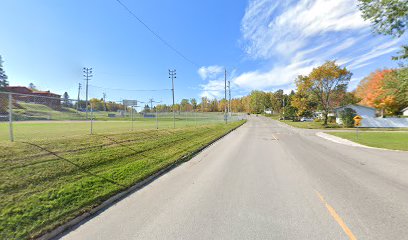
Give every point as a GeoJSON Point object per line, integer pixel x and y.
{"type": "Point", "coordinates": [264, 44]}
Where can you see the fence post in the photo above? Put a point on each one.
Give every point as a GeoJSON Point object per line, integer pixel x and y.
{"type": "Point", "coordinates": [91, 119]}
{"type": "Point", "coordinates": [11, 117]}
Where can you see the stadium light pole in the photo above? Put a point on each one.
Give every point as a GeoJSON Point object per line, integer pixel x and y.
{"type": "Point", "coordinates": [172, 75]}
{"type": "Point", "coordinates": [87, 74]}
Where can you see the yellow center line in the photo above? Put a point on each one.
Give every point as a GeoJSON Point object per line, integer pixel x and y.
{"type": "Point", "coordinates": [337, 218]}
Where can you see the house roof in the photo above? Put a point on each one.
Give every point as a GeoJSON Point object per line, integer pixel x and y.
{"type": "Point", "coordinates": [28, 90]}
{"type": "Point", "coordinates": [357, 105]}
{"type": "Point", "coordinates": [405, 109]}
{"type": "Point", "coordinates": [16, 87]}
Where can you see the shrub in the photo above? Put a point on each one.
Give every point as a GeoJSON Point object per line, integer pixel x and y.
{"type": "Point", "coordinates": [347, 116]}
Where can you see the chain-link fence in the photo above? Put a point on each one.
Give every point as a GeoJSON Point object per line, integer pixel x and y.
{"type": "Point", "coordinates": [41, 116]}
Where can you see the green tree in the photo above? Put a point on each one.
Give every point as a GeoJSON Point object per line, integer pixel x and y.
{"type": "Point", "coordinates": [388, 17]}
{"type": "Point", "coordinates": [204, 104]}
{"type": "Point", "coordinates": [396, 88]}
{"type": "Point", "coordinates": [277, 101]}
{"type": "Point", "coordinates": [193, 102]}
{"type": "Point", "coordinates": [303, 100]}
{"type": "Point", "coordinates": [257, 101]}
{"type": "Point", "coordinates": [32, 86]}
{"type": "Point", "coordinates": [65, 101]}
{"type": "Point", "coordinates": [185, 105]}
{"type": "Point", "coordinates": [146, 108]}
{"type": "Point", "coordinates": [346, 116]}
{"type": "Point", "coordinates": [3, 76]}
{"type": "Point", "coordinates": [3, 84]}
{"type": "Point", "coordinates": [213, 106]}
{"type": "Point", "coordinates": [323, 82]}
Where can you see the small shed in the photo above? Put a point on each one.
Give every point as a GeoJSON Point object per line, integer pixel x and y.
{"type": "Point", "coordinates": [363, 111]}
{"type": "Point", "coordinates": [405, 111]}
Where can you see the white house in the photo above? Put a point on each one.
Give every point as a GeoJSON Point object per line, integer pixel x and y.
{"type": "Point", "coordinates": [363, 111]}
{"type": "Point", "coordinates": [405, 111]}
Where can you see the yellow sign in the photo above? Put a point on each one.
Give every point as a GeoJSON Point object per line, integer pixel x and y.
{"type": "Point", "coordinates": [357, 118]}
{"type": "Point", "coordinates": [357, 121]}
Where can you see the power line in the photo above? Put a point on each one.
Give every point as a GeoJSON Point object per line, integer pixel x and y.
{"type": "Point", "coordinates": [157, 35]}
{"type": "Point", "coordinates": [131, 90]}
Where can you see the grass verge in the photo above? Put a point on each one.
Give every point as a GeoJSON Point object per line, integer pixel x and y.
{"type": "Point", "coordinates": [388, 140]}
{"type": "Point", "coordinates": [46, 184]}
{"type": "Point", "coordinates": [310, 125]}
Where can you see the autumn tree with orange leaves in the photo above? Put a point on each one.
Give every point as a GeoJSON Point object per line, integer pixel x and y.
{"type": "Point", "coordinates": [375, 91]}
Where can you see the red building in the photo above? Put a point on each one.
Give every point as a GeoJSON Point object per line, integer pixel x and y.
{"type": "Point", "coordinates": [25, 94]}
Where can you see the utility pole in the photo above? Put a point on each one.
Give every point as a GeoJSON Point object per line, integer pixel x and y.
{"type": "Point", "coordinates": [172, 75]}
{"type": "Point", "coordinates": [229, 101]}
{"type": "Point", "coordinates": [151, 104]}
{"type": "Point", "coordinates": [87, 74]}
{"type": "Point", "coordinates": [225, 90]}
{"type": "Point", "coordinates": [79, 93]}
{"type": "Point", "coordinates": [283, 107]}
{"type": "Point", "coordinates": [104, 101]}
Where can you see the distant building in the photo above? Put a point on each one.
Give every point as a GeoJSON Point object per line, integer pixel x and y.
{"type": "Point", "coordinates": [28, 95]}
{"type": "Point", "coordinates": [268, 111]}
{"type": "Point", "coordinates": [363, 111]}
{"type": "Point", "coordinates": [405, 111]}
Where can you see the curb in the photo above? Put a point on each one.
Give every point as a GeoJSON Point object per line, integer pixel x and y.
{"type": "Point", "coordinates": [347, 142]}
{"type": "Point", "coordinates": [77, 221]}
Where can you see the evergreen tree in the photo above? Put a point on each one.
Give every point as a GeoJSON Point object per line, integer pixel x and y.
{"type": "Point", "coordinates": [66, 102]}
{"type": "Point", "coordinates": [32, 86]}
{"type": "Point", "coordinates": [3, 76]}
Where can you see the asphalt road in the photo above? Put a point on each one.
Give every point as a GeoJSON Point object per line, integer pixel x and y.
{"type": "Point", "coordinates": [267, 181]}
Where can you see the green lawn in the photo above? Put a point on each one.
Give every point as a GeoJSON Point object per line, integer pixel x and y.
{"type": "Point", "coordinates": [51, 182]}
{"type": "Point", "coordinates": [310, 125]}
{"type": "Point", "coordinates": [389, 140]}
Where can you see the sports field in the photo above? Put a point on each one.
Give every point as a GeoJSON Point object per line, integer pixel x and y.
{"type": "Point", "coordinates": [36, 130]}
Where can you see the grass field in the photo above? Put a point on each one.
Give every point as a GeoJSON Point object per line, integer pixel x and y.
{"type": "Point", "coordinates": [47, 183]}
{"type": "Point", "coordinates": [389, 140]}
{"type": "Point", "coordinates": [34, 130]}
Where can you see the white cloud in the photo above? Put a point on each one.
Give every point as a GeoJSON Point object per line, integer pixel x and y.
{"type": "Point", "coordinates": [293, 37]}
{"type": "Point", "coordinates": [380, 50]}
{"type": "Point", "coordinates": [267, 31]}
{"type": "Point", "coordinates": [301, 35]}
{"type": "Point", "coordinates": [213, 89]}
{"type": "Point", "coordinates": [278, 76]}
{"type": "Point", "coordinates": [210, 72]}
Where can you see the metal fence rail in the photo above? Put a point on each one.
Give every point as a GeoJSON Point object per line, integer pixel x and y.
{"type": "Point", "coordinates": [33, 117]}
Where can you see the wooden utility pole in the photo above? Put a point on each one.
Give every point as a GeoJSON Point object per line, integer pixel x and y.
{"type": "Point", "coordinates": [87, 75]}
{"type": "Point", "coordinates": [172, 75]}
